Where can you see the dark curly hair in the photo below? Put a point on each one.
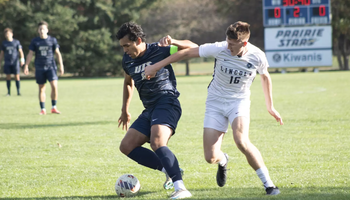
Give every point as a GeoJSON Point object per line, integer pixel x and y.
{"type": "Point", "coordinates": [133, 31]}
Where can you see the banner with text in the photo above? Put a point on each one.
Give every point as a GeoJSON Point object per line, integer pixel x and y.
{"type": "Point", "coordinates": [299, 46]}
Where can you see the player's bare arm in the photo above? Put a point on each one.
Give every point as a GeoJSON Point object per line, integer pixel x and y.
{"type": "Point", "coordinates": [151, 70]}
{"type": "Point", "coordinates": [181, 44]}
{"type": "Point", "coordinates": [128, 89]}
{"type": "Point", "coordinates": [29, 58]}
{"type": "Point", "coordinates": [60, 60]}
{"type": "Point", "coordinates": [21, 56]}
{"type": "Point", "coordinates": [267, 88]}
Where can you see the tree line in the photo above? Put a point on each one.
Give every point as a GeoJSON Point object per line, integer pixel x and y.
{"type": "Point", "coordinates": [85, 29]}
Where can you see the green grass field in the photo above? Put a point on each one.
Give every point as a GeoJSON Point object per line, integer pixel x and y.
{"type": "Point", "coordinates": [308, 157]}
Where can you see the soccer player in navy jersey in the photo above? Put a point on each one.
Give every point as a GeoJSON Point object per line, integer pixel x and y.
{"type": "Point", "coordinates": [10, 48]}
{"type": "Point", "coordinates": [228, 102]}
{"type": "Point", "coordinates": [44, 48]}
{"type": "Point", "coordinates": [158, 121]}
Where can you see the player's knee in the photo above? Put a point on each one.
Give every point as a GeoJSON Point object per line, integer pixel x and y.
{"type": "Point", "coordinates": [155, 146]}
{"type": "Point", "coordinates": [210, 159]}
{"type": "Point", "coordinates": [124, 148]}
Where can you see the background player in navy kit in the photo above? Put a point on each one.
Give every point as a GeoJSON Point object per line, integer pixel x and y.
{"type": "Point", "coordinates": [10, 48]}
{"type": "Point", "coordinates": [157, 123]}
{"type": "Point", "coordinates": [45, 66]}
{"type": "Point", "coordinates": [228, 101]}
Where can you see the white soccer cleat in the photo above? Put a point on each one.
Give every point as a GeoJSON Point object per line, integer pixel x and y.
{"type": "Point", "coordinates": [180, 194]}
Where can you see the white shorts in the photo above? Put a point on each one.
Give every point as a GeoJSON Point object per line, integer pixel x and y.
{"type": "Point", "coordinates": [220, 111]}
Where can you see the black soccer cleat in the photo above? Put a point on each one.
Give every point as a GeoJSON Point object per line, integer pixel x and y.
{"type": "Point", "coordinates": [272, 190]}
{"type": "Point", "coordinates": [221, 175]}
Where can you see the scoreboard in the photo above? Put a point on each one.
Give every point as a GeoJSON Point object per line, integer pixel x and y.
{"type": "Point", "coordinates": [298, 33]}
{"type": "Point", "coordinates": [296, 12]}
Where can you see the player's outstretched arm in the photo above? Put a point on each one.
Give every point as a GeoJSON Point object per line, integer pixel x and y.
{"type": "Point", "coordinates": [128, 89]}
{"type": "Point", "coordinates": [60, 60]}
{"type": "Point", "coordinates": [181, 44]}
{"type": "Point", "coordinates": [29, 58]}
{"type": "Point", "coordinates": [151, 70]}
{"type": "Point", "coordinates": [267, 88]}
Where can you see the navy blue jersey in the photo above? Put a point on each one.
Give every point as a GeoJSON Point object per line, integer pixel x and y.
{"type": "Point", "coordinates": [162, 85]}
{"type": "Point", "coordinates": [44, 52]}
{"type": "Point", "coordinates": [11, 51]}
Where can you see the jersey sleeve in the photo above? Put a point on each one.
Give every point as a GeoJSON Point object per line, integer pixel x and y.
{"type": "Point", "coordinates": [55, 45]}
{"type": "Point", "coordinates": [167, 50]}
{"type": "Point", "coordinates": [211, 49]}
{"type": "Point", "coordinates": [263, 65]}
{"type": "Point", "coordinates": [19, 46]}
{"type": "Point", "coordinates": [124, 66]}
{"type": "Point", "coordinates": [32, 46]}
{"type": "Point", "coordinates": [3, 47]}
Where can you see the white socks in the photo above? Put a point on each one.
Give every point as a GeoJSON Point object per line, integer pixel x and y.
{"type": "Point", "coordinates": [264, 176]}
{"type": "Point", "coordinates": [179, 185]}
{"type": "Point", "coordinates": [223, 161]}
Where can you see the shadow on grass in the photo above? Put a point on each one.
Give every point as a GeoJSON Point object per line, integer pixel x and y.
{"type": "Point", "coordinates": [313, 193]}
{"type": "Point", "coordinates": [32, 126]}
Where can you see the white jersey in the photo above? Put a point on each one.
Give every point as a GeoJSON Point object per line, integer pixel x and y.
{"type": "Point", "coordinates": [233, 75]}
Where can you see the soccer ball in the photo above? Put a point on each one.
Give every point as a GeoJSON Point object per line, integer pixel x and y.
{"type": "Point", "coordinates": [127, 185]}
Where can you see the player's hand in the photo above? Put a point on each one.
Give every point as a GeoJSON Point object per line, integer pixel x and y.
{"type": "Point", "coordinates": [165, 41]}
{"type": "Point", "coordinates": [26, 70]}
{"type": "Point", "coordinates": [124, 120]}
{"type": "Point", "coordinates": [22, 64]}
{"type": "Point", "coordinates": [62, 70]}
{"type": "Point", "coordinates": [150, 71]}
{"type": "Point", "coordinates": [276, 115]}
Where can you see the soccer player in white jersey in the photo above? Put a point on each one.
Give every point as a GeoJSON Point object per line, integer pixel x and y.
{"type": "Point", "coordinates": [228, 101]}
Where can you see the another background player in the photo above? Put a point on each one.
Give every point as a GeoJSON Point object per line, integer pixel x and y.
{"type": "Point", "coordinates": [45, 66]}
{"type": "Point", "coordinates": [157, 123]}
{"type": "Point", "coordinates": [10, 48]}
{"type": "Point", "coordinates": [228, 101]}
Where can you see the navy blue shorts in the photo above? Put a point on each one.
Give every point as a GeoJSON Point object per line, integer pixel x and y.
{"type": "Point", "coordinates": [42, 75]}
{"type": "Point", "coordinates": [166, 112]}
{"type": "Point", "coordinates": [11, 69]}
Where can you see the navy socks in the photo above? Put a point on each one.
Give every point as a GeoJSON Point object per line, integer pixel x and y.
{"type": "Point", "coordinates": [162, 157]}
{"type": "Point", "coordinates": [53, 103]}
{"type": "Point", "coordinates": [146, 157]}
{"type": "Point", "coordinates": [170, 163]}
{"type": "Point", "coordinates": [18, 85]}
{"type": "Point", "coordinates": [8, 84]}
{"type": "Point", "coordinates": [42, 105]}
